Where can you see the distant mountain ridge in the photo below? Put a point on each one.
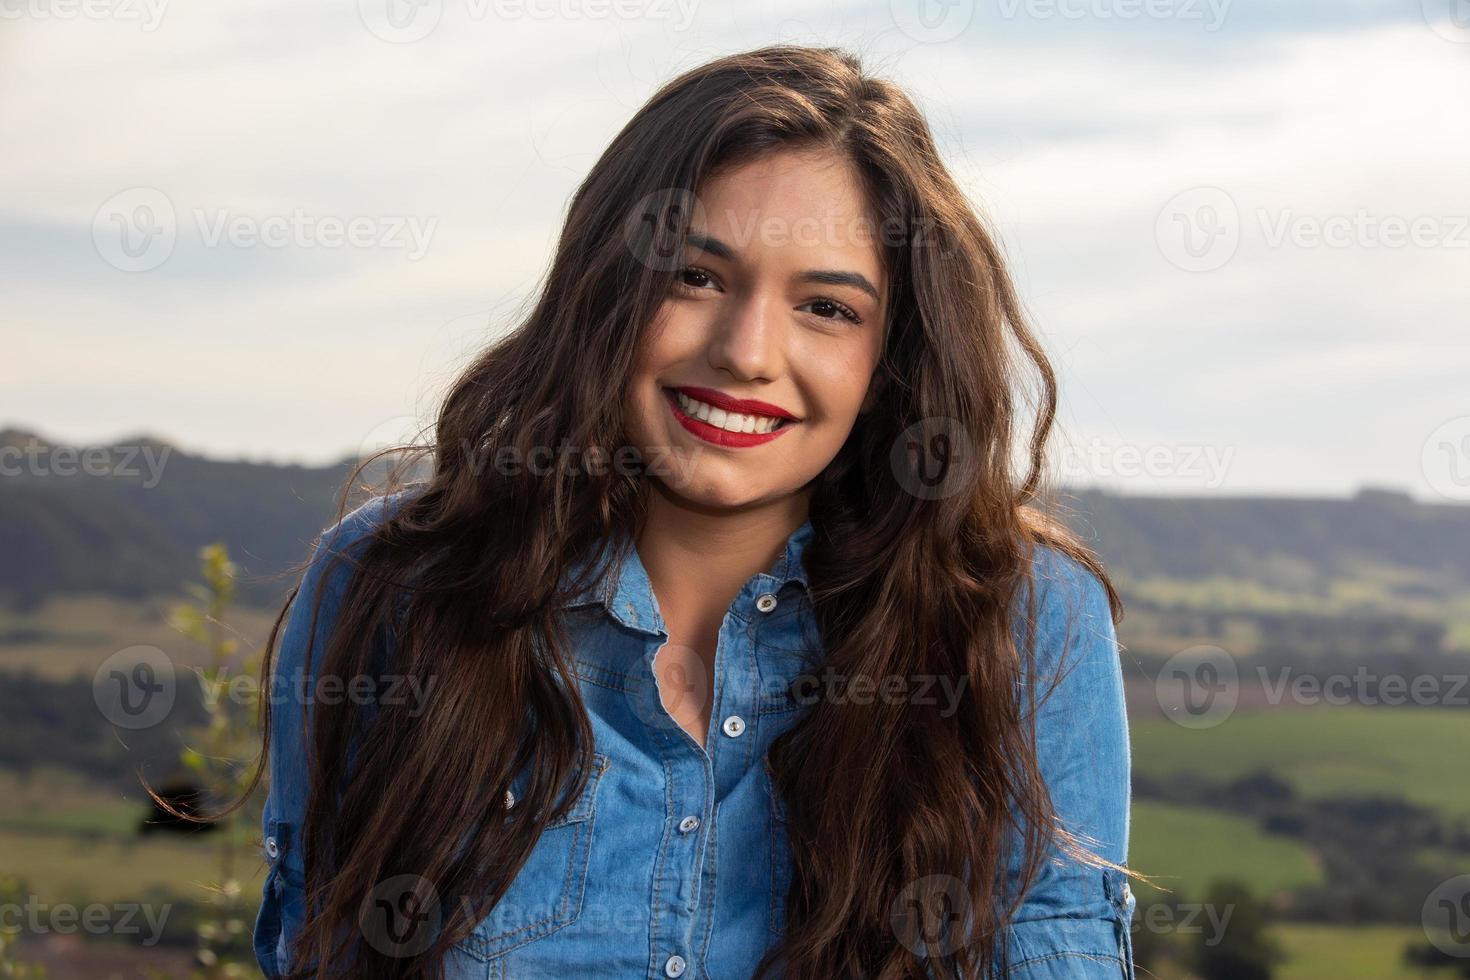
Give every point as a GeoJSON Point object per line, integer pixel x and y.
{"type": "Point", "coordinates": [131, 526]}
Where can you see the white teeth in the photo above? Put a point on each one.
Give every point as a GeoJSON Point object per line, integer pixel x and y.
{"type": "Point", "coordinates": [721, 419]}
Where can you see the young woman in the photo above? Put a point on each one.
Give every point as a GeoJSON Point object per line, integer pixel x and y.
{"type": "Point", "coordinates": [718, 637]}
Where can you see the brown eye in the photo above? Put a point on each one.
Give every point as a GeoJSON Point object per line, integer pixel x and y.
{"type": "Point", "coordinates": [829, 309]}
{"type": "Point", "coordinates": [695, 278]}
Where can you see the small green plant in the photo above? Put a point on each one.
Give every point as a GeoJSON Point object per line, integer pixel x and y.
{"type": "Point", "coordinates": [222, 759]}
{"type": "Point", "coordinates": [12, 892]}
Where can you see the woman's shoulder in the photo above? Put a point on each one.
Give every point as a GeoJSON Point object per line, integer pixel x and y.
{"type": "Point", "coordinates": [328, 571]}
{"type": "Point", "coordinates": [1071, 596]}
{"type": "Point", "coordinates": [348, 534]}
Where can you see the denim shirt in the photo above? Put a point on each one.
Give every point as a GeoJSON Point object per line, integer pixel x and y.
{"type": "Point", "coordinates": [674, 860]}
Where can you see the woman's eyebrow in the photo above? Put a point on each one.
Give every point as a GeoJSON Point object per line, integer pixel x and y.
{"type": "Point", "coordinates": [826, 277]}
{"type": "Point", "coordinates": [830, 277]}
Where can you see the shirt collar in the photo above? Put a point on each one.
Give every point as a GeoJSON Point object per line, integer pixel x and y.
{"type": "Point", "coordinates": [627, 593]}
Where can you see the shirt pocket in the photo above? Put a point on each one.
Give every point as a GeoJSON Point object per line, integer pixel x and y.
{"type": "Point", "coordinates": [779, 853]}
{"type": "Point", "coordinates": [547, 893]}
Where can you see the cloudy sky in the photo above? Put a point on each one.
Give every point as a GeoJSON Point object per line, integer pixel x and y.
{"type": "Point", "coordinates": [274, 230]}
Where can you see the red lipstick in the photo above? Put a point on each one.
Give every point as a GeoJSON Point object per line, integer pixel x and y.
{"type": "Point", "coordinates": [724, 437]}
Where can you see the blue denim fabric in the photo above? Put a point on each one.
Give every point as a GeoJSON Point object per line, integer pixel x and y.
{"type": "Point", "coordinates": [674, 860]}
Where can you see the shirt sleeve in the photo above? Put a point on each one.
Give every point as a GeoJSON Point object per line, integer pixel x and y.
{"type": "Point", "coordinates": [293, 688]}
{"type": "Point", "coordinates": [1074, 922]}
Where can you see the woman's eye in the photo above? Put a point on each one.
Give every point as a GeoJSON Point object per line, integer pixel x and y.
{"type": "Point", "coordinates": [829, 309]}
{"type": "Point", "coordinates": [695, 278]}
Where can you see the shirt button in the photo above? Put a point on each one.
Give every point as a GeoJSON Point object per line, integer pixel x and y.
{"type": "Point", "coordinates": [674, 966]}
{"type": "Point", "coordinates": [766, 602]}
{"type": "Point", "coordinates": [510, 799]}
{"type": "Point", "coordinates": [734, 726]}
{"type": "Point", "coordinates": [688, 824]}
{"type": "Point", "coordinates": [272, 849]}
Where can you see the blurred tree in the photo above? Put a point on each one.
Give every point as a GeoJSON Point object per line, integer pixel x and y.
{"type": "Point", "coordinates": [1242, 950]}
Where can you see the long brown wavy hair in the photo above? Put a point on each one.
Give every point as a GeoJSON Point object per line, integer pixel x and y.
{"type": "Point", "coordinates": [467, 575]}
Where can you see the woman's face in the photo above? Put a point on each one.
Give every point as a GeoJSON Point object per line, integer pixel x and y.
{"type": "Point", "coordinates": [755, 368]}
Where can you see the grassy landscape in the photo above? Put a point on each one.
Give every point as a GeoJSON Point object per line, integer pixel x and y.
{"type": "Point", "coordinates": [1185, 848]}
{"type": "Point", "coordinates": [68, 635]}
{"type": "Point", "coordinates": [68, 841]}
{"type": "Point", "coordinates": [1356, 953]}
{"type": "Point", "coordinates": [1416, 754]}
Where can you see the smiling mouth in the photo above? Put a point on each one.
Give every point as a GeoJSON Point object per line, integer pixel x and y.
{"type": "Point", "coordinates": [722, 426]}
{"type": "Point", "coordinates": [716, 418]}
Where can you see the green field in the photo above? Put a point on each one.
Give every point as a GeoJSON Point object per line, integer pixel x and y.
{"type": "Point", "coordinates": [68, 841]}
{"type": "Point", "coordinates": [1357, 953]}
{"type": "Point", "coordinates": [1184, 848]}
{"type": "Point", "coordinates": [1414, 753]}
{"type": "Point", "coordinates": [1330, 953]}
{"type": "Point", "coordinates": [70, 635]}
